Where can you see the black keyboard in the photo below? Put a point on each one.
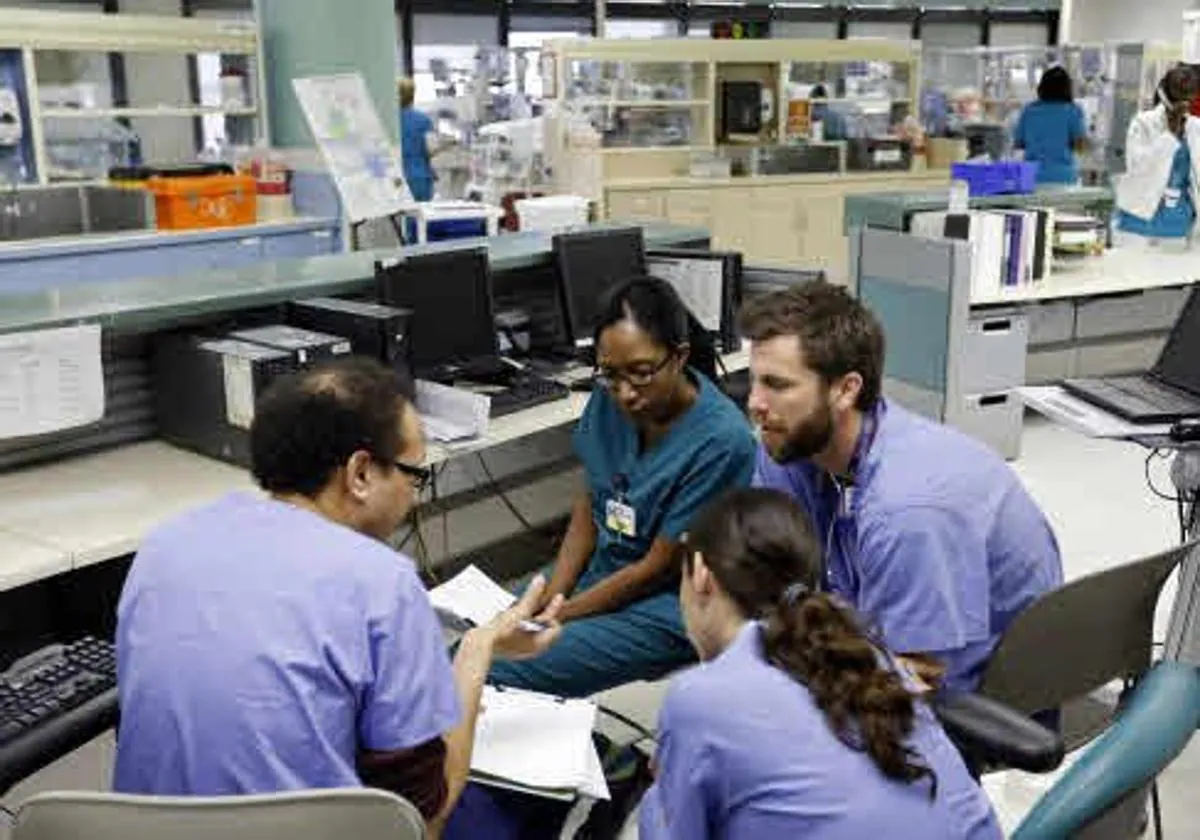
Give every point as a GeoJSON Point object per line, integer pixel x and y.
{"type": "Point", "coordinates": [1136, 398]}
{"type": "Point", "coordinates": [53, 682]}
{"type": "Point", "coordinates": [526, 390]}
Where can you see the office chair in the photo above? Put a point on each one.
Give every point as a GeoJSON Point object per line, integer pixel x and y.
{"type": "Point", "coordinates": [360, 813]}
{"type": "Point", "coordinates": [1058, 651]}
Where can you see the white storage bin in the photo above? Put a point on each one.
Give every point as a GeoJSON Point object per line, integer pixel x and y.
{"type": "Point", "coordinates": [994, 355]}
{"type": "Point", "coordinates": [552, 212]}
{"type": "Point", "coordinates": [994, 419]}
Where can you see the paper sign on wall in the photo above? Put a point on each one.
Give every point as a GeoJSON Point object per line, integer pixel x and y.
{"type": "Point", "coordinates": [50, 380]}
{"type": "Point", "coordinates": [361, 158]}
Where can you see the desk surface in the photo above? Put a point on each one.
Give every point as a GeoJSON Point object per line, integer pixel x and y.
{"type": "Point", "coordinates": [81, 511]}
{"type": "Point", "coordinates": [1118, 271]}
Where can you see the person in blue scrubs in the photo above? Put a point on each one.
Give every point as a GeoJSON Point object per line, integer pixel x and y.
{"type": "Point", "coordinates": [1157, 196]}
{"type": "Point", "coordinates": [1052, 129]}
{"type": "Point", "coordinates": [416, 144]}
{"type": "Point", "coordinates": [797, 724]}
{"type": "Point", "coordinates": [657, 441]}
{"type": "Point", "coordinates": [928, 533]}
{"type": "Point", "coordinates": [277, 642]}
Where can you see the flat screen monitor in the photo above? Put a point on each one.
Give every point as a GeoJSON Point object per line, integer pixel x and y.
{"type": "Point", "coordinates": [708, 282]}
{"type": "Point", "coordinates": [450, 295]}
{"type": "Point", "coordinates": [589, 264]}
{"type": "Point", "coordinates": [1179, 364]}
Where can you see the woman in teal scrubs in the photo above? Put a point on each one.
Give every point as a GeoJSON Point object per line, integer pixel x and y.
{"type": "Point", "coordinates": [658, 441]}
{"type": "Point", "coordinates": [1052, 129]}
{"type": "Point", "coordinates": [415, 128]}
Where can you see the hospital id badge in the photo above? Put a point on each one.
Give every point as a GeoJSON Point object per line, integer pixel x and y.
{"type": "Point", "coordinates": [620, 518]}
{"type": "Point", "coordinates": [1171, 198]}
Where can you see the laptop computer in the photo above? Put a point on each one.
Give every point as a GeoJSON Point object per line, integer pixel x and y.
{"type": "Point", "coordinates": [1169, 392]}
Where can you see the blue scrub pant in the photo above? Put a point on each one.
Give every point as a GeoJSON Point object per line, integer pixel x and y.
{"type": "Point", "coordinates": [602, 652]}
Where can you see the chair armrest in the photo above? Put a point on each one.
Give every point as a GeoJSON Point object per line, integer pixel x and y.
{"type": "Point", "coordinates": [989, 733]}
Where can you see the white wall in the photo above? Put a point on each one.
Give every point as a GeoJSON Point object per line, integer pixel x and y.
{"type": "Point", "coordinates": [1126, 20]}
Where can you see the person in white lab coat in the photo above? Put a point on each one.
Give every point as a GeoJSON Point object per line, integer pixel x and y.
{"type": "Point", "coordinates": [1158, 196]}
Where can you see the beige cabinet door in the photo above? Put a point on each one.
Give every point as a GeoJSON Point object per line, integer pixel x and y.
{"type": "Point", "coordinates": [636, 206]}
{"type": "Point", "coordinates": [778, 221]}
{"type": "Point", "coordinates": [732, 221]}
{"type": "Point", "coordinates": [693, 208]}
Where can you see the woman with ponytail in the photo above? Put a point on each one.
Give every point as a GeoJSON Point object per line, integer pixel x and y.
{"type": "Point", "coordinates": [798, 724]}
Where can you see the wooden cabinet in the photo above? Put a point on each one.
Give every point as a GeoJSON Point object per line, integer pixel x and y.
{"type": "Point", "coordinates": [639, 206]}
{"type": "Point", "coordinates": [794, 224]}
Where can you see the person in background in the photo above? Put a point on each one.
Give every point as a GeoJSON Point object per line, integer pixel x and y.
{"type": "Point", "coordinates": [657, 441]}
{"type": "Point", "coordinates": [798, 724]}
{"type": "Point", "coordinates": [929, 534]}
{"type": "Point", "coordinates": [833, 123]}
{"type": "Point", "coordinates": [1158, 195]}
{"type": "Point", "coordinates": [1052, 129]}
{"type": "Point", "coordinates": [418, 143]}
{"type": "Point", "coordinates": [276, 642]}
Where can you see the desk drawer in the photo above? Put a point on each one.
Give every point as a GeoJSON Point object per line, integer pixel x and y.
{"type": "Point", "coordinates": [994, 355]}
{"type": "Point", "coordinates": [641, 206]}
{"type": "Point", "coordinates": [1051, 323]}
{"type": "Point", "coordinates": [994, 419]}
{"type": "Point", "coordinates": [1150, 311]}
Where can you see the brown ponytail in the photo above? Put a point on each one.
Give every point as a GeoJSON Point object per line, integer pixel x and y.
{"type": "Point", "coordinates": [761, 549]}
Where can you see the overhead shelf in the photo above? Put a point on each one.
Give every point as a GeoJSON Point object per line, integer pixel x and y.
{"type": "Point", "coordinates": [164, 111]}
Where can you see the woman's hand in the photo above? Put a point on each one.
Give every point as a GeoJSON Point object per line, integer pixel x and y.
{"type": "Point", "coordinates": [512, 637]}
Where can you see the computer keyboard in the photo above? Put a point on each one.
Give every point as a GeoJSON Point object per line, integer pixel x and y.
{"type": "Point", "coordinates": [52, 682]}
{"type": "Point", "coordinates": [526, 390]}
{"type": "Point", "coordinates": [1141, 396]}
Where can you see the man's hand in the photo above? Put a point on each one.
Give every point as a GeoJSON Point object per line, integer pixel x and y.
{"type": "Point", "coordinates": [926, 669]}
{"type": "Point", "coordinates": [511, 640]}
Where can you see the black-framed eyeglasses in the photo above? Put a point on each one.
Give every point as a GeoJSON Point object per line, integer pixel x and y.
{"type": "Point", "coordinates": [421, 476]}
{"type": "Point", "coordinates": [609, 377]}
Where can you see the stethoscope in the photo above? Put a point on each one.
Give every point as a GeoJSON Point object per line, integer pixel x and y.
{"type": "Point", "coordinates": [844, 510]}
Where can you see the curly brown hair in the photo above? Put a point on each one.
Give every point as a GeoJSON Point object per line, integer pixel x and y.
{"type": "Point", "coordinates": [762, 550]}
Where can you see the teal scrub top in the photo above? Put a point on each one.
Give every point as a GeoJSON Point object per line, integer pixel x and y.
{"type": "Point", "coordinates": [1048, 132]}
{"type": "Point", "coordinates": [709, 450]}
{"type": "Point", "coordinates": [415, 126]}
{"type": "Point", "coordinates": [1175, 216]}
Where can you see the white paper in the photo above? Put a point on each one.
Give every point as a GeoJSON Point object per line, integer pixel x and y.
{"type": "Point", "coordinates": [239, 391]}
{"type": "Point", "coordinates": [50, 380]}
{"type": "Point", "coordinates": [698, 282]}
{"type": "Point", "coordinates": [534, 740]}
{"type": "Point", "coordinates": [594, 783]}
{"type": "Point", "coordinates": [473, 596]}
{"type": "Point", "coordinates": [1082, 416]}
{"type": "Point", "coordinates": [360, 156]}
{"type": "Point", "coordinates": [452, 410]}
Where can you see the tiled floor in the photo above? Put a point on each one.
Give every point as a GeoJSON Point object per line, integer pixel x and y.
{"type": "Point", "coordinates": [1095, 494]}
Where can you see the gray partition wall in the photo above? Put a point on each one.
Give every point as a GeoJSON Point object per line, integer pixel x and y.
{"type": "Point", "coordinates": [943, 361]}
{"type": "Point", "coordinates": [920, 290]}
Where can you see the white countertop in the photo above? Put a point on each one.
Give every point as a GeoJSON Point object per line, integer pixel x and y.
{"type": "Point", "coordinates": [86, 510]}
{"type": "Point", "coordinates": [1119, 270]}
{"type": "Point", "coordinates": [917, 179]}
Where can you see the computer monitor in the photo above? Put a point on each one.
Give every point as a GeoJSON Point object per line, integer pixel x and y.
{"type": "Point", "coordinates": [710, 285]}
{"type": "Point", "coordinates": [590, 263]}
{"type": "Point", "coordinates": [1179, 364]}
{"type": "Point", "coordinates": [450, 295]}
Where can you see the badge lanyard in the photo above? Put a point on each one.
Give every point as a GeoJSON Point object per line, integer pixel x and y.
{"type": "Point", "coordinates": [619, 515]}
{"type": "Point", "coordinates": [843, 513]}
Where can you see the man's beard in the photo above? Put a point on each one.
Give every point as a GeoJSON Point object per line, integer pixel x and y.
{"type": "Point", "coordinates": [810, 437]}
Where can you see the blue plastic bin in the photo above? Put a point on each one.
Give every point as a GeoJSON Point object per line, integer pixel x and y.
{"type": "Point", "coordinates": [439, 231]}
{"type": "Point", "coordinates": [1006, 177]}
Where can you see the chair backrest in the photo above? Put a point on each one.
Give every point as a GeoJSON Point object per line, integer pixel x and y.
{"type": "Point", "coordinates": [358, 813]}
{"type": "Point", "coordinates": [1081, 636]}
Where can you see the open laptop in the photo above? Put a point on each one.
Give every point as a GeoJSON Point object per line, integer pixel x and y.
{"type": "Point", "coordinates": [1169, 392]}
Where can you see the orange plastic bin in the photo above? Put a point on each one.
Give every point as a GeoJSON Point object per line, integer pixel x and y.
{"type": "Point", "coordinates": [204, 202]}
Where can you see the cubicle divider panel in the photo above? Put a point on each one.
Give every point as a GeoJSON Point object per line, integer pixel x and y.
{"type": "Point", "coordinates": [919, 289]}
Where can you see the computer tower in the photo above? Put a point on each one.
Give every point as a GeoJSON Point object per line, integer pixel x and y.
{"type": "Point", "coordinates": [306, 347]}
{"type": "Point", "coordinates": [206, 390]}
{"type": "Point", "coordinates": [374, 330]}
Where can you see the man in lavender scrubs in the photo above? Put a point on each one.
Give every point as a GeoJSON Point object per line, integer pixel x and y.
{"type": "Point", "coordinates": [927, 532]}
{"type": "Point", "coordinates": [276, 642]}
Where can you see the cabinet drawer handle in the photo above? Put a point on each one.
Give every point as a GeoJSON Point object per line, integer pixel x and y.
{"type": "Point", "coordinates": [999, 325]}
{"type": "Point", "coordinates": [993, 399]}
